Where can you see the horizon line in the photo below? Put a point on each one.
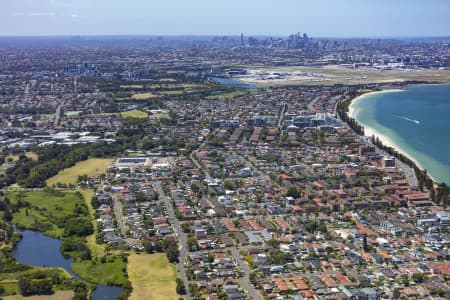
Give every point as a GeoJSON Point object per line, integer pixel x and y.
{"type": "Point", "coordinates": [216, 35]}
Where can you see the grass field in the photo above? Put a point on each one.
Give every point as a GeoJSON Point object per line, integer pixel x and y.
{"type": "Point", "coordinates": [103, 273]}
{"type": "Point", "coordinates": [90, 167]}
{"type": "Point", "coordinates": [30, 155]}
{"type": "Point", "coordinates": [152, 277]}
{"type": "Point", "coordinates": [96, 249]}
{"type": "Point", "coordinates": [173, 92]}
{"type": "Point", "coordinates": [137, 114]}
{"type": "Point", "coordinates": [47, 116]}
{"type": "Point", "coordinates": [132, 86]}
{"type": "Point", "coordinates": [143, 96]}
{"type": "Point", "coordinates": [58, 295]}
{"type": "Point", "coordinates": [47, 207]}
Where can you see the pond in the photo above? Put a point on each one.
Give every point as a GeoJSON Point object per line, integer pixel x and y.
{"type": "Point", "coordinates": [37, 249]}
{"type": "Point", "coordinates": [105, 292]}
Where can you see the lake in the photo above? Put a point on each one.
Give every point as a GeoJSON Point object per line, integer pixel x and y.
{"type": "Point", "coordinates": [37, 249]}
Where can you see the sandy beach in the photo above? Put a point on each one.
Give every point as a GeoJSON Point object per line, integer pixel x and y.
{"type": "Point", "coordinates": [351, 108]}
{"type": "Point", "coordinates": [369, 131]}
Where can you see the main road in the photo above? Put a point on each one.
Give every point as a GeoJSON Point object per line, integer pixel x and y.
{"type": "Point", "coordinates": [407, 170]}
{"type": "Point", "coordinates": [313, 102]}
{"type": "Point", "coordinates": [182, 237]}
{"type": "Point", "coordinates": [58, 113]}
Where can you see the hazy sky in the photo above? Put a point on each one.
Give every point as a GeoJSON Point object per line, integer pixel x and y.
{"type": "Point", "coordinates": [340, 18]}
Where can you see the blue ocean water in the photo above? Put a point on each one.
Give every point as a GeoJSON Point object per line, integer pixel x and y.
{"type": "Point", "coordinates": [416, 120]}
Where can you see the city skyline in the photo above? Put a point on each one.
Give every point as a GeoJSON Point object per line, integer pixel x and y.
{"type": "Point", "coordinates": [322, 18]}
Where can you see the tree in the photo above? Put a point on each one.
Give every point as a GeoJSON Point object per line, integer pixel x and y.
{"type": "Point", "coordinates": [29, 287]}
{"type": "Point", "coordinates": [280, 258]}
{"type": "Point", "coordinates": [194, 290]}
{"type": "Point", "coordinates": [442, 194]}
{"type": "Point", "coordinates": [273, 243]}
{"type": "Point", "coordinates": [181, 289]}
{"type": "Point", "coordinates": [7, 215]}
{"type": "Point", "coordinates": [228, 185]}
{"type": "Point", "coordinates": [80, 291]}
{"type": "Point", "coordinates": [405, 280]}
{"type": "Point", "coordinates": [79, 226]}
{"type": "Point", "coordinates": [148, 246]}
{"type": "Point", "coordinates": [172, 253]}
{"type": "Point", "coordinates": [192, 243]}
{"type": "Point", "coordinates": [140, 196]}
{"type": "Point", "coordinates": [293, 192]}
{"type": "Point", "coordinates": [25, 286]}
{"type": "Point", "coordinates": [185, 227]}
{"type": "Point", "coordinates": [418, 277]}
{"type": "Point", "coordinates": [365, 245]}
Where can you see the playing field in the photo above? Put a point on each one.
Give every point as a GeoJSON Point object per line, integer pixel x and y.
{"type": "Point", "coordinates": [143, 96]}
{"type": "Point", "coordinates": [137, 114]}
{"type": "Point", "coordinates": [132, 86]}
{"type": "Point", "coordinates": [90, 167]}
{"type": "Point", "coordinates": [152, 277]}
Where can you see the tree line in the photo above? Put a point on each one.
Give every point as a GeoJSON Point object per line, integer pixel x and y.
{"type": "Point", "coordinates": [30, 173]}
{"type": "Point", "coordinates": [342, 112]}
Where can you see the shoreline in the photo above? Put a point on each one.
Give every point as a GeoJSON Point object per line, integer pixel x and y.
{"type": "Point", "coordinates": [351, 109]}
{"type": "Point", "coordinates": [385, 140]}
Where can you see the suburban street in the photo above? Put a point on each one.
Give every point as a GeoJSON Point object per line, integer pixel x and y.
{"type": "Point", "coordinates": [244, 281]}
{"type": "Point", "coordinates": [118, 212]}
{"type": "Point", "coordinates": [282, 114]}
{"type": "Point", "coordinates": [179, 232]}
{"type": "Point", "coordinates": [58, 113]}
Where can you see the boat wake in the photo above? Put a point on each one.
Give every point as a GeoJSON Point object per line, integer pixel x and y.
{"type": "Point", "coordinates": [408, 119]}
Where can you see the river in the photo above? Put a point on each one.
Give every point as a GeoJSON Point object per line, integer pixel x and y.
{"type": "Point", "coordinates": [37, 249]}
